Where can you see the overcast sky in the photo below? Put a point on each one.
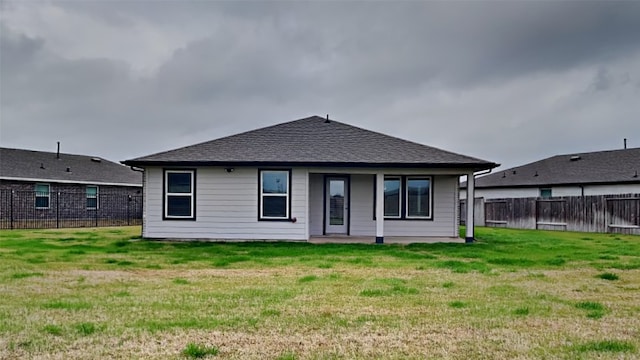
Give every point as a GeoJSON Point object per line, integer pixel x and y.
{"type": "Point", "coordinates": [510, 82]}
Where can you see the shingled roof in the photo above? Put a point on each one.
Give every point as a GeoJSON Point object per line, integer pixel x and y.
{"type": "Point", "coordinates": [312, 141]}
{"type": "Point", "coordinates": [600, 167]}
{"type": "Point", "coordinates": [29, 165]}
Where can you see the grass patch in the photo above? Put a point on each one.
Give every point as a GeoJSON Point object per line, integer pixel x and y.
{"type": "Point", "coordinates": [86, 328]}
{"type": "Point", "coordinates": [594, 310]}
{"type": "Point", "coordinates": [521, 311]}
{"type": "Point", "coordinates": [606, 346]}
{"type": "Point", "coordinates": [458, 304]}
{"type": "Point", "coordinates": [180, 281]}
{"type": "Point", "coordinates": [463, 267]}
{"type": "Point", "coordinates": [590, 305]}
{"type": "Point", "coordinates": [67, 305]}
{"type": "Point", "coordinates": [287, 356]}
{"type": "Point", "coordinates": [608, 276]}
{"type": "Point", "coordinates": [24, 275]}
{"type": "Point", "coordinates": [197, 351]}
{"type": "Point", "coordinates": [307, 278]}
{"type": "Point", "coordinates": [52, 329]}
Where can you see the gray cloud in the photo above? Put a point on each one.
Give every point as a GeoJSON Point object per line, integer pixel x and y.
{"type": "Point", "coordinates": [511, 82]}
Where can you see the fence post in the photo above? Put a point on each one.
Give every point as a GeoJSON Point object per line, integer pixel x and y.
{"type": "Point", "coordinates": [12, 192]}
{"type": "Point", "coordinates": [128, 212]}
{"type": "Point", "coordinates": [58, 210]}
{"type": "Point", "coordinates": [95, 213]}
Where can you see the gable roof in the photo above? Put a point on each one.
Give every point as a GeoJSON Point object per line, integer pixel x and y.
{"type": "Point", "coordinates": [312, 141]}
{"type": "Point", "coordinates": [599, 167]}
{"type": "Point", "coordinates": [29, 165]}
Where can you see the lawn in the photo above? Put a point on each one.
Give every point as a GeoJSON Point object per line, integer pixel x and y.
{"type": "Point", "coordinates": [515, 294]}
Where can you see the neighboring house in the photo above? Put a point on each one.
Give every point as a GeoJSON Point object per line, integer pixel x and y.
{"type": "Point", "coordinates": [591, 192]}
{"type": "Point", "coordinates": [579, 174]}
{"type": "Point", "coordinates": [305, 178]}
{"type": "Point", "coordinates": [37, 187]}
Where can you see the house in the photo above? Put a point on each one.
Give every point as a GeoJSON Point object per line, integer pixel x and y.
{"type": "Point", "coordinates": [589, 192]}
{"type": "Point", "coordinates": [578, 174]}
{"type": "Point", "coordinates": [53, 189]}
{"type": "Point", "coordinates": [301, 179]}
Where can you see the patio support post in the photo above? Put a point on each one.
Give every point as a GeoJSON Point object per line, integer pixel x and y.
{"type": "Point", "coordinates": [379, 208]}
{"type": "Point", "coordinates": [471, 182]}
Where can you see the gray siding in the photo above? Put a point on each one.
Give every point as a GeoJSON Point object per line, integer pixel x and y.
{"type": "Point", "coordinates": [362, 223]}
{"type": "Point", "coordinates": [316, 205]}
{"type": "Point", "coordinates": [444, 213]}
{"type": "Point", "coordinates": [226, 207]}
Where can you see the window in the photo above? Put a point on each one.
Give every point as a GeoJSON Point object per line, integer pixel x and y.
{"type": "Point", "coordinates": [392, 197]}
{"type": "Point", "coordinates": [418, 197]}
{"type": "Point", "coordinates": [274, 194]}
{"type": "Point", "coordinates": [42, 196]}
{"type": "Point", "coordinates": [92, 197]}
{"type": "Point", "coordinates": [179, 196]}
{"type": "Point", "coordinates": [545, 193]}
{"type": "Point", "coordinates": [408, 197]}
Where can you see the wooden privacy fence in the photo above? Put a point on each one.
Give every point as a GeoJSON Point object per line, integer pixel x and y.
{"type": "Point", "coordinates": [600, 213]}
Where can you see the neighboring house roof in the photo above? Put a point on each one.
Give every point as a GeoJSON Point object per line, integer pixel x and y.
{"type": "Point", "coordinates": [600, 167]}
{"type": "Point", "coordinates": [312, 141]}
{"type": "Point", "coordinates": [29, 165]}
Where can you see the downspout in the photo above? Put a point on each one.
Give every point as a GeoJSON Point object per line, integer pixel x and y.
{"type": "Point", "coordinates": [471, 181]}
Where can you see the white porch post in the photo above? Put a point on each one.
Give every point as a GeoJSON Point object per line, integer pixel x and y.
{"type": "Point", "coordinates": [379, 208]}
{"type": "Point", "coordinates": [471, 184]}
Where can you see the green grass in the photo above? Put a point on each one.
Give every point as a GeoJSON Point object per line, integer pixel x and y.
{"type": "Point", "coordinates": [196, 351]}
{"type": "Point", "coordinates": [608, 276]}
{"type": "Point", "coordinates": [96, 293]}
{"type": "Point", "coordinates": [606, 346]}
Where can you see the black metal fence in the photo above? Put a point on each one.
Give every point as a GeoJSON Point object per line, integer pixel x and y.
{"type": "Point", "coordinates": [31, 210]}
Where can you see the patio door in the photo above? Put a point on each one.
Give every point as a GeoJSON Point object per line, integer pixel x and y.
{"type": "Point", "coordinates": [336, 200]}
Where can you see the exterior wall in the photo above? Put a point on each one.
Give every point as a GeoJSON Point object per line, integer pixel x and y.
{"type": "Point", "coordinates": [362, 222]}
{"type": "Point", "coordinates": [362, 206]}
{"type": "Point", "coordinates": [444, 213]}
{"type": "Point", "coordinates": [589, 190]}
{"type": "Point", "coordinates": [316, 206]}
{"type": "Point", "coordinates": [611, 189]}
{"type": "Point", "coordinates": [67, 205]}
{"type": "Point", "coordinates": [226, 207]}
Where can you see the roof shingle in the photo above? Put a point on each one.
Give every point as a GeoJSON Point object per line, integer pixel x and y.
{"type": "Point", "coordinates": [45, 166]}
{"type": "Point", "coordinates": [314, 141]}
{"type": "Point", "coordinates": [600, 167]}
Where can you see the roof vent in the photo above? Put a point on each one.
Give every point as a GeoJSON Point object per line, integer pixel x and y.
{"type": "Point", "coordinates": [41, 165]}
{"type": "Point", "coordinates": [575, 158]}
{"type": "Point", "coordinates": [536, 174]}
{"type": "Point", "coordinates": [514, 172]}
{"type": "Point", "coordinates": [636, 174]}
{"type": "Point", "coordinates": [68, 169]}
{"type": "Point", "coordinates": [327, 120]}
{"type": "Point", "coordinates": [504, 175]}
{"type": "Point", "coordinates": [95, 159]}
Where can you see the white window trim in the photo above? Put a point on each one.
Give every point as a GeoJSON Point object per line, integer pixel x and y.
{"type": "Point", "coordinates": [190, 194]}
{"type": "Point", "coordinates": [97, 196]}
{"type": "Point", "coordinates": [406, 194]}
{"type": "Point", "coordinates": [399, 178]}
{"type": "Point", "coordinates": [286, 196]}
{"type": "Point", "coordinates": [48, 196]}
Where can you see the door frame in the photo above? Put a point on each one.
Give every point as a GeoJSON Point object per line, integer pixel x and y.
{"type": "Point", "coordinates": [325, 200]}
